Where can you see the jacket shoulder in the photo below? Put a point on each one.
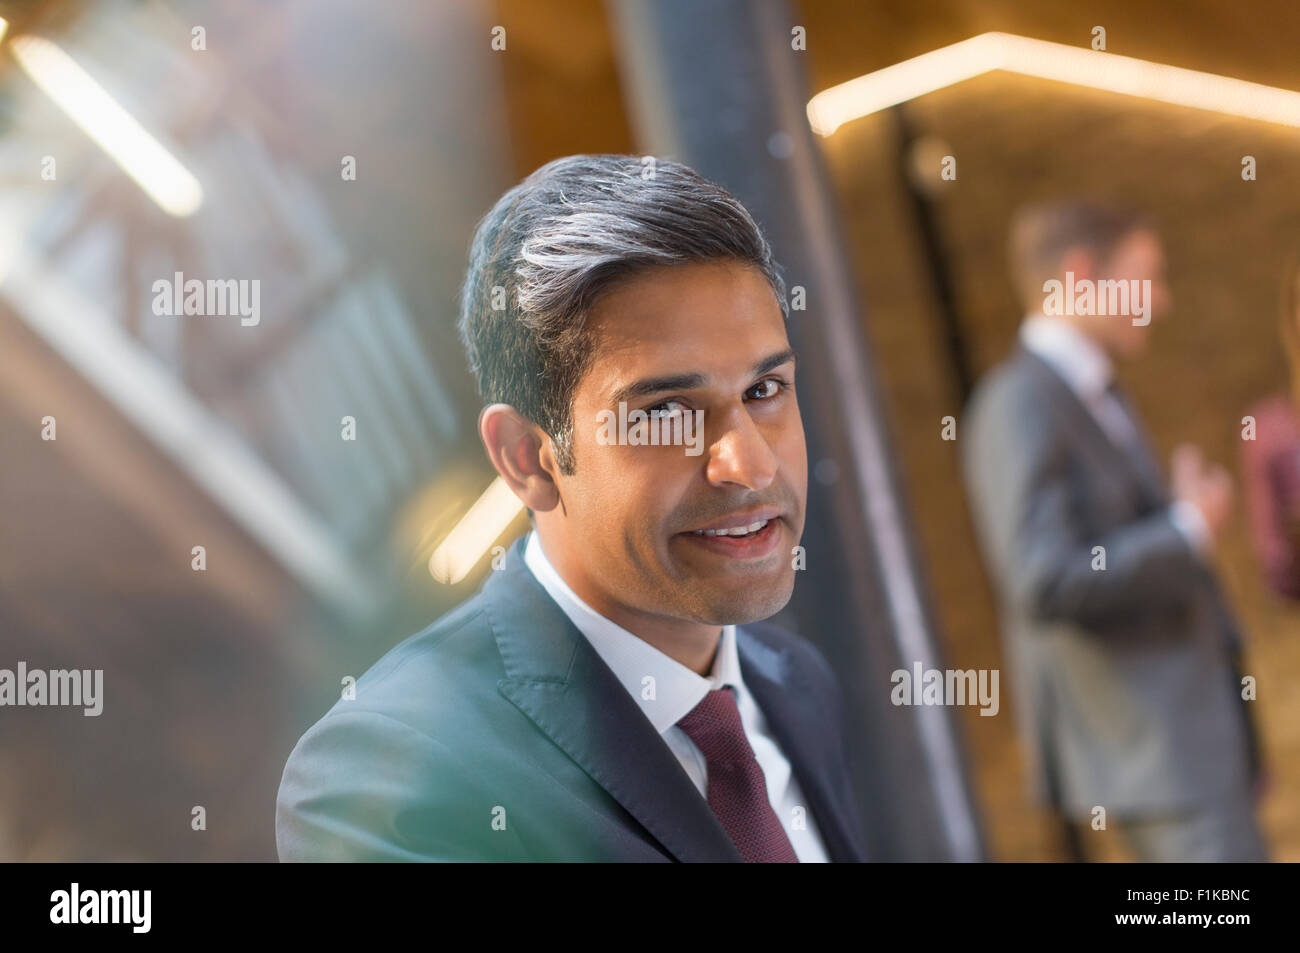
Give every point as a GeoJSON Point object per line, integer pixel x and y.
{"type": "Point", "coordinates": [432, 678]}
{"type": "Point", "coordinates": [1013, 411]}
{"type": "Point", "coordinates": [1012, 381]}
{"type": "Point", "coordinates": [398, 772]}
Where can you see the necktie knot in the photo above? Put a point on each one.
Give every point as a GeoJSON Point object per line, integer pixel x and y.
{"type": "Point", "coordinates": [715, 726]}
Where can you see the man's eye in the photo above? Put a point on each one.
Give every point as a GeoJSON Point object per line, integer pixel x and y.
{"type": "Point", "coordinates": [669, 408]}
{"type": "Point", "coordinates": [764, 389]}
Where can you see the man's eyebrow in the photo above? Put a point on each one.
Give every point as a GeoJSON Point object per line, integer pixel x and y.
{"type": "Point", "coordinates": [773, 362]}
{"type": "Point", "coordinates": [670, 382]}
{"type": "Point", "coordinates": [657, 385]}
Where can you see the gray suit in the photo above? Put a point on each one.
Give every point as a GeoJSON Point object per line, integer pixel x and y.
{"type": "Point", "coordinates": [1126, 677]}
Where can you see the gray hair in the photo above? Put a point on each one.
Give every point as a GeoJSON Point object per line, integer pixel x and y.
{"type": "Point", "coordinates": [555, 242]}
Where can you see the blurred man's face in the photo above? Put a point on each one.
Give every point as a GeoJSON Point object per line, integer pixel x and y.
{"type": "Point", "coordinates": [638, 529]}
{"type": "Point", "coordinates": [1138, 257]}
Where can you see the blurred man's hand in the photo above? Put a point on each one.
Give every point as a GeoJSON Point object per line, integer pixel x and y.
{"type": "Point", "coordinates": [1205, 485]}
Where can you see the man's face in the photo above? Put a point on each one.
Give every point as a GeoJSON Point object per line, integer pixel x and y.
{"type": "Point", "coordinates": [1137, 257]}
{"type": "Point", "coordinates": [695, 337]}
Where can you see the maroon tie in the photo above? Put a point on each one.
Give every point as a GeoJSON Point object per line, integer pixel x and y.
{"type": "Point", "coordinates": [737, 788]}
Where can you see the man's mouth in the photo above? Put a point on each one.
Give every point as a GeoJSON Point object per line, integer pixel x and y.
{"type": "Point", "coordinates": [747, 530]}
{"type": "Point", "coordinates": [744, 536]}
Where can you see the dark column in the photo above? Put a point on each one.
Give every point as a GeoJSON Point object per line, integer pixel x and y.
{"type": "Point", "coordinates": [935, 259]}
{"type": "Point", "coordinates": [717, 85]}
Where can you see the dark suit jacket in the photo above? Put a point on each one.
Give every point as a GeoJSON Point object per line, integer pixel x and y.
{"type": "Point", "coordinates": [499, 733]}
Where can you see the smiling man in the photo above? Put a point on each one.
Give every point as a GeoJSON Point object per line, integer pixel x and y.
{"type": "Point", "coordinates": [612, 693]}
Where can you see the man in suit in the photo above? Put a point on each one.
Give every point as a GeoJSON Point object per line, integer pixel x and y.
{"type": "Point", "coordinates": [611, 693]}
{"type": "Point", "coordinates": [1124, 649]}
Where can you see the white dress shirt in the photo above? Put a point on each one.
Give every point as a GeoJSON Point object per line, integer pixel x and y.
{"type": "Point", "coordinates": [1088, 372]}
{"type": "Point", "coordinates": [677, 690]}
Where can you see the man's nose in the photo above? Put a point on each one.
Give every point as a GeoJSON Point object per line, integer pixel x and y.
{"type": "Point", "coordinates": [740, 455]}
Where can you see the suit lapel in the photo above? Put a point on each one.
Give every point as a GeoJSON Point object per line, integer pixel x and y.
{"type": "Point", "coordinates": [562, 685]}
{"type": "Point", "coordinates": [782, 692]}
{"type": "Point", "coordinates": [1143, 457]}
{"type": "Point", "coordinates": [1141, 468]}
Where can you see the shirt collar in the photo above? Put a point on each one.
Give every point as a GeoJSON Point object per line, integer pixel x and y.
{"type": "Point", "coordinates": [1079, 360]}
{"type": "Point", "coordinates": [674, 689]}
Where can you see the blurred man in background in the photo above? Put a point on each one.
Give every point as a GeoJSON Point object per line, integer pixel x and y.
{"type": "Point", "coordinates": [1125, 651]}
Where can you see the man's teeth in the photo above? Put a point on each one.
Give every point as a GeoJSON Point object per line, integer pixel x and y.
{"type": "Point", "coordinates": [733, 530]}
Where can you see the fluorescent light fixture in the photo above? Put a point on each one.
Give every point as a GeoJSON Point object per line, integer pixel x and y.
{"type": "Point", "coordinates": [116, 131]}
{"type": "Point", "coordinates": [948, 65]}
{"type": "Point", "coordinates": [4, 27]}
{"type": "Point", "coordinates": [477, 530]}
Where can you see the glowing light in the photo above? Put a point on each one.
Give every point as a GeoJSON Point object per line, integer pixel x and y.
{"type": "Point", "coordinates": [477, 530]}
{"type": "Point", "coordinates": [859, 97]}
{"type": "Point", "coordinates": [116, 131]}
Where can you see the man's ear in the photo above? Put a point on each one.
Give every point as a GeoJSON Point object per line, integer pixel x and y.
{"type": "Point", "coordinates": [517, 447]}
